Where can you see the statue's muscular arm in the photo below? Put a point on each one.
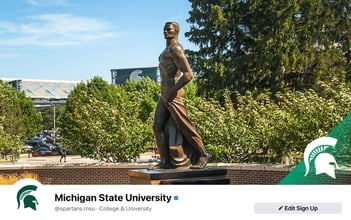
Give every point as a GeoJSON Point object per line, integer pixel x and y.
{"type": "Point", "coordinates": [180, 60]}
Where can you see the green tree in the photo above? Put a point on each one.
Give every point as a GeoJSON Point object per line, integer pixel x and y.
{"type": "Point", "coordinates": [145, 92]}
{"type": "Point", "coordinates": [257, 129]}
{"type": "Point", "coordinates": [101, 121]}
{"type": "Point", "coordinates": [10, 144]}
{"type": "Point", "coordinates": [32, 119]}
{"type": "Point", "coordinates": [18, 119]}
{"type": "Point", "coordinates": [260, 45]}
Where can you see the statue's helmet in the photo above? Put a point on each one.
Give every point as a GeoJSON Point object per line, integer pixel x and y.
{"type": "Point", "coordinates": [324, 162]}
{"type": "Point", "coordinates": [31, 202]}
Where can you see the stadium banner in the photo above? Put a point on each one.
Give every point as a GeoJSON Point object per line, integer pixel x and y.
{"type": "Point", "coordinates": [120, 76]}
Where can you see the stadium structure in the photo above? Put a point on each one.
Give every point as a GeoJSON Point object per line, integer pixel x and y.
{"type": "Point", "coordinates": [43, 92]}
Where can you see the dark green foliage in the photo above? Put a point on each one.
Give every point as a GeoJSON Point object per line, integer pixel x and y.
{"type": "Point", "coordinates": [259, 130]}
{"type": "Point", "coordinates": [255, 129]}
{"type": "Point", "coordinates": [272, 66]}
{"type": "Point", "coordinates": [268, 45]}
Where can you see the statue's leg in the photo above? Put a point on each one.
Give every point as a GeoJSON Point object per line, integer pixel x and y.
{"type": "Point", "coordinates": [161, 117]}
{"type": "Point", "coordinates": [178, 158]}
{"type": "Point", "coordinates": [179, 114]}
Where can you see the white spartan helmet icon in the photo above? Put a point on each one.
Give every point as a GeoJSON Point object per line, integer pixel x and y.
{"type": "Point", "coordinates": [324, 162]}
{"type": "Point", "coordinates": [136, 75]}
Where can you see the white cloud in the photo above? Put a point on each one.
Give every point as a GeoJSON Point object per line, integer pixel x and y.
{"type": "Point", "coordinates": [48, 3]}
{"type": "Point", "coordinates": [9, 55]}
{"type": "Point", "coordinates": [7, 27]}
{"type": "Point", "coordinates": [55, 30]}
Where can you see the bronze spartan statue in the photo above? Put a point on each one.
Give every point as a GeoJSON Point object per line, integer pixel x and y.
{"type": "Point", "coordinates": [179, 144]}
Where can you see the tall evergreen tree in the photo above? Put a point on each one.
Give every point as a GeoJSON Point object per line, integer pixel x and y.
{"type": "Point", "coordinates": [262, 45]}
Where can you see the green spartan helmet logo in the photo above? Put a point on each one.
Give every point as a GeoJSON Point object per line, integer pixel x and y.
{"type": "Point", "coordinates": [28, 200]}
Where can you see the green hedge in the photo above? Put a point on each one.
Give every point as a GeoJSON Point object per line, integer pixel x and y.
{"type": "Point", "coordinates": [114, 123]}
{"type": "Point", "coordinates": [263, 129]}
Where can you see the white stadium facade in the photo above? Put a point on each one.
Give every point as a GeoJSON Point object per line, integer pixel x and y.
{"type": "Point", "coordinates": [43, 92]}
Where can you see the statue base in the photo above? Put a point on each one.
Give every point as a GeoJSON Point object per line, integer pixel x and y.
{"type": "Point", "coordinates": [180, 176]}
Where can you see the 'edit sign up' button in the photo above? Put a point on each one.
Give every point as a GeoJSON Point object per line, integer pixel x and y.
{"type": "Point", "coordinates": [298, 208]}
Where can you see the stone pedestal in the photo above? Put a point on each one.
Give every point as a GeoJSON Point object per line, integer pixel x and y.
{"type": "Point", "coordinates": [173, 176]}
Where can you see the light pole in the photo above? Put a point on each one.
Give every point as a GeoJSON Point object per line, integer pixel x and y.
{"type": "Point", "coordinates": [54, 123]}
{"type": "Point", "coordinates": [53, 104]}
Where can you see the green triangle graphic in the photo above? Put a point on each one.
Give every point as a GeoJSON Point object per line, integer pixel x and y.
{"type": "Point", "coordinates": [341, 153]}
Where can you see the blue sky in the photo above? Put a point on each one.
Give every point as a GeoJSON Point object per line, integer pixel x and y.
{"type": "Point", "coordinates": [79, 39]}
